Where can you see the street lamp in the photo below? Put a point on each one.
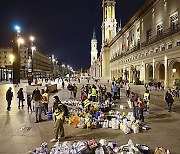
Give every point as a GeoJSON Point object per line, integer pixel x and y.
{"type": "Point", "coordinates": [17, 41]}
{"type": "Point", "coordinates": [173, 71]}
{"type": "Point", "coordinates": [30, 61]}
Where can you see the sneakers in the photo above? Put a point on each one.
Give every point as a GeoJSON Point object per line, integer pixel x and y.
{"type": "Point", "coordinates": [54, 140]}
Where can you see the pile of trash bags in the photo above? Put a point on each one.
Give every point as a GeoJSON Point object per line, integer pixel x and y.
{"type": "Point", "coordinates": [101, 116]}
{"type": "Point", "coordinates": [43, 149]}
{"type": "Point", "coordinates": [101, 147]}
{"type": "Point", "coordinates": [93, 146]}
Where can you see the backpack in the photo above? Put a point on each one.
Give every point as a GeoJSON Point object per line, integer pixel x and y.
{"type": "Point", "coordinates": [66, 111]}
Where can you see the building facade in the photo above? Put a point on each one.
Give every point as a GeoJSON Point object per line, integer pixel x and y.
{"type": "Point", "coordinates": [148, 46]}
{"type": "Point", "coordinates": [41, 63]}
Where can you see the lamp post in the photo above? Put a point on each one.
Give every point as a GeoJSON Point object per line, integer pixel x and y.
{"type": "Point", "coordinates": [17, 41]}
{"type": "Point", "coordinates": [173, 71]}
{"type": "Point", "coordinates": [32, 48]}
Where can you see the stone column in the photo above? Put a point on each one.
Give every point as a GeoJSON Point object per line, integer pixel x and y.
{"type": "Point", "coordinates": [166, 83]}
{"type": "Point", "coordinates": [153, 68]}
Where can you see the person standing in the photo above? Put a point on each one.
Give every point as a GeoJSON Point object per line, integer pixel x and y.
{"type": "Point", "coordinates": [37, 98]}
{"type": "Point", "coordinates": [45, 101]}
{"type": "Point", "coordinates": [134, 99]}
{"type": "Point", "coordinates": [63, 84]}
{"type": "Point", "coordinates": [141, 106]}
{"type": "Point", "coordinates": [70, 88]}
{"type": "Point", "coordinates": [93, 93]}
{"type": "Point", "coordinates": [59, 117]}
{"type": "Point", "coordinates": [20, 96]}
{"type": "Point", "coordinates": [29, 99]}
{"type": "Point", "coordinates": [115, 91]}
{"type": "Point", "coordinates": [74, 90]}
{"type": "Point", "coordinates": [9, 96]}
{"type": "Point", "coordinates": [127, 90]}
{"type": "Point", "coordinates": [169, 99]}
{"type": "Point", "coordinates": [147, 100]}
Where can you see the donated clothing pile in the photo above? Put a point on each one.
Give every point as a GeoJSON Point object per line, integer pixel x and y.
{"type": "Point", "coordinates": [125, 123]}
{"type": "Point", "coordinates": [101, 147]}
{"type": "Point", "coordinates": [43, 149]}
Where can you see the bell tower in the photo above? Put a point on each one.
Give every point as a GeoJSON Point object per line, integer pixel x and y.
{"type": "Point", "coordinates": [109, 23]}
{"type": "Point", "coordinates": [94, 50]}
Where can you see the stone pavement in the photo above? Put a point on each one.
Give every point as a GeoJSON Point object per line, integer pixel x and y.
{"type": "Point", "coordinates": [164, 126]}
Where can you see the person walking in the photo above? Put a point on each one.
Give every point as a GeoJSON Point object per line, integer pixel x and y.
{"type": "Point", "coordinates": [37, 98]}
{"type": "Point", "coordinates": [9, 96]}
{"type": "Point", "coordinates": [29, 99]}
{"type": "Point", "coordinates": [59, 117]}
{"type": "Point", "coordinates": [169, 98]}
{"type": "Point", "coordinates": [127, 88]}
{"type": "Point", "coordinates": [20, 96]}
{"type": "Point", "coordinates": [74, 90]}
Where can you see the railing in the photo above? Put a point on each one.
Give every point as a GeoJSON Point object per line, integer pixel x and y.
{"type": "Point", "coordinates": [174, 29]}
{"type": "Point", "coordinates": [164, 34]}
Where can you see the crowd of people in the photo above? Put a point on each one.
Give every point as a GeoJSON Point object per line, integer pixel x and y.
{"type": "Point", "coordinates": [39, 99]}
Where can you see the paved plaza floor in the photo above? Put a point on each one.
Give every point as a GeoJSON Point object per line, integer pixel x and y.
{"type": "Point", "coordinates": [19, 133]}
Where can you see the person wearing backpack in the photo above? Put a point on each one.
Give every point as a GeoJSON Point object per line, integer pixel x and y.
{"type": "Point", "coordinates": [59, 113]}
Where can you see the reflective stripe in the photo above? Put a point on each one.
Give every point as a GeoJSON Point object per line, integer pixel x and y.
{"type": "Point", "coordinates": [86, 103]}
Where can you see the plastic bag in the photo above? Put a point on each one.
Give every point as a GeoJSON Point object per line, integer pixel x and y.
{"type": "Point", "coordinates": [99, 150]}
{"type": "Point", "coordinates": [103, 142]}
{"type": "Point", "coordinates": [130, 104]}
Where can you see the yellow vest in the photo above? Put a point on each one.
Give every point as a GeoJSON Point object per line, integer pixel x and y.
{"type": "Point", "coordinates": [45, 98]}
{"type": "Point", "coordinates": [87, 102]}
{"type": "Point", "coordinates": [59, 113]}
{"type": "Point", "coordinates": [146, 96]}
{"type": "Point", "coordinates": [93, 92]}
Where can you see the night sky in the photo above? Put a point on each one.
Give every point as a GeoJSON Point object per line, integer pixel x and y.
{"type": "Point", "coordinates": [61, 27]}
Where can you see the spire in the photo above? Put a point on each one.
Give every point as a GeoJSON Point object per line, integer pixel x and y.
{"type": "Point", "coordinates": [120, 26]}
{"type": "Point", "coordinates": [94, 34]}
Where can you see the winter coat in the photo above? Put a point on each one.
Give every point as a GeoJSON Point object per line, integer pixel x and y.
{"type": "Point", "coordinates": [169, 98]}
{"type": "Point", "coordinates": [9, 95]}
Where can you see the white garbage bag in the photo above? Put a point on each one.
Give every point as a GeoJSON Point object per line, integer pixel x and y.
{"type": "Point", "coordinates": [103, 142]}
{"type": "Point", "coordinates": [130, 104]}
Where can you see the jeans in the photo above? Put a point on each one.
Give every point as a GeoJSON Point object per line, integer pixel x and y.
{"type": "Point", "coordinates": [169, 106]}
{"type": "Point", "coordinates": [21, 101]}
{"type": "Point", "coordinates": [38, 114]}
{"type": "Point", "coordinates": [9, 105]}
{"type": "Point", "coordinates": [135, 112]}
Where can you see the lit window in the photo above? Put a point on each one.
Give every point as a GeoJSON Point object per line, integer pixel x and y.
{"type": "Point", "coordinates": [169, 46]}
{"type": "Point", "coordinates": [159, 29]}
{"type": "Point", "coordinates": [178, 43]}
{"type": "Point", "coordinates": [174, 21]}
{"type": "Point", "coordinates": [148, 35]}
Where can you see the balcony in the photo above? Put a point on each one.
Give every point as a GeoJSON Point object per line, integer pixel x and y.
{"type": "Point", "coordinates": [174, 29]}
{"type": "Point", "coordinates": [164, 34]}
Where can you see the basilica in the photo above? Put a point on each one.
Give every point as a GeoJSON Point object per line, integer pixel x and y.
{"type": "Point", "coordinates": [147, 48]}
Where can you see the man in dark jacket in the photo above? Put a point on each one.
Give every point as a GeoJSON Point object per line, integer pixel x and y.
{"type": "Point", "coordinates": [9, 95]}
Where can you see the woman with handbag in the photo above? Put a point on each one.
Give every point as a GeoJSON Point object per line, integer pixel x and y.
{"type": "Point", "coordinates": [20, 96]}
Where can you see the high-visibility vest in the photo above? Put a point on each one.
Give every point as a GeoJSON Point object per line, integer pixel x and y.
{"type": "Point", "coordinates": [146, 96]}
{"type": "Point", "coordinates": [59, 112]}
{"type": "Point", "coordinates": [87, 103]}
{"type": "Point", "coordinates": [93, 92]}
{"type": "Point", "coordinates": [45, 98]}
